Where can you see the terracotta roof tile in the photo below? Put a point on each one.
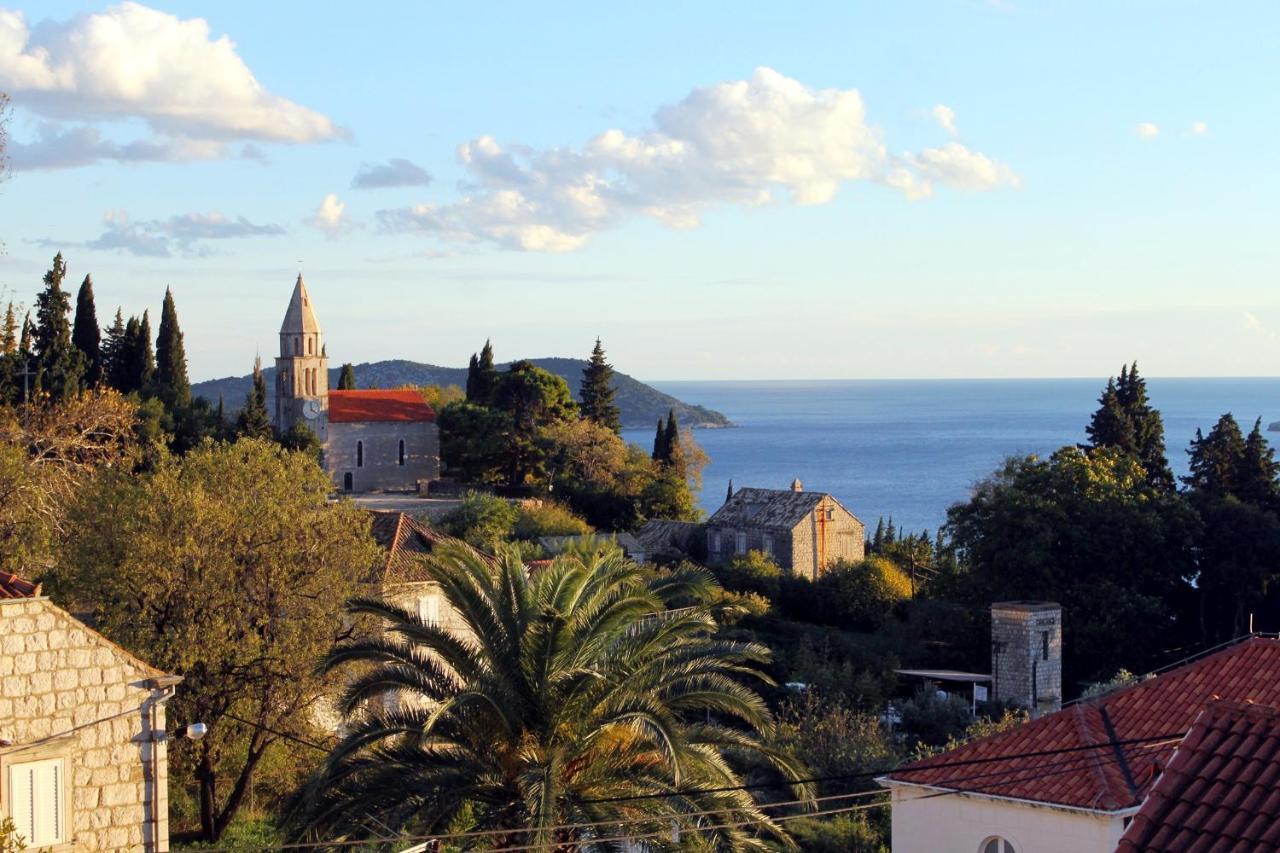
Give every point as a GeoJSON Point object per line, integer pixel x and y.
{"type": "Point", "coordinates": [12, 586]}
{"type": "Point", "coordinates": [1209, 796]}
{"type": "Point", "coordinates": [406, 541]}
{"type": "Point", "coordinates": [1098, 777]}
{"type": "Point", "coordinates": [377, 406]}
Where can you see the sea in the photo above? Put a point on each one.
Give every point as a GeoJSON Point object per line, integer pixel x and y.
{"type": "Point", "coordinates": [908, 449]}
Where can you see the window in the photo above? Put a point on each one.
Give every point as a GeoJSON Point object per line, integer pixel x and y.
{"type": "Point", "coordinates": [402, 451]}
{"type": "Point", "coordinates": [996, 845]}
{"type": "Point", "coordinates": [359, 454]}
{"type": "Point", "coordinates": [768, 544]}
{"type": "Point", "coordinates": [715, 541]}
{"type": "Point", "coordinates": [741, 544]}
{"type": "Point", "coordinates": [1044, 645]}
{"type": "Point", "coordinates": [297, 347]}
{"type": "Point", "coordinates": [429, 609]}
{"type": "Point", "coordinates": [348, 481]}
{"type": "Point", "coordinates": [38, 802]}
{"type": "Point", "coordinates": [311, 346]}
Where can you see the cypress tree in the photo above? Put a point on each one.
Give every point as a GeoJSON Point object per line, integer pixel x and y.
{"type": "Point", "coordinates": [172, 384]}
{"type": "Point", "coordinates": [347, 378]}
{"type": "Point", "coordinates": [486, 375]}
{"type": "Point", "coordinates": [878, 539]}
{"type": "Point", "coordinates": [114, 353]}
{"type": "Point", "coordinates": [58, 363]}
{"type": "Point", "coordinates": [473, 379]}
{"type": "Point", "coordinates": [254, 422]}
{"type": "Point", "coordinates": [86, 335]}
{"type": "Point", "coordinates": [142, 362]}
{"type": "Point", "coordinates": [9, 332]}
{"type": "Point", "coordinates": [671, 440]}
{"type": "Point", "coordinates": [596, 391]}
{"type": "Point", "coordinates": [659, 442]}
{"type": "Point", "coordinates": [8, 356]}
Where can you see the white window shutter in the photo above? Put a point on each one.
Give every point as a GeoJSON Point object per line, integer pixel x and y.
{"type": "Point", "coordinates": [429, 609]}
{"type": "Point", "coordinates": [37, 798]}
{"type": "Point", "coordinates": [21, 803]}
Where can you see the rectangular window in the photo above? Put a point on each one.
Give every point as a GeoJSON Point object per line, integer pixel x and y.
{"type": "Point", "coordinates": [742, 543]}
{"type": "Point", "coordinates": [359, 454]}
{"type": "Point", "coordinates": [715, 541]}
{"type": "Point", "coordinates": [38, 801]}
{"type": "Point", "coordinates": [768, 544]}
{"type": "Point", "coordinates": [429, 609]}
{"type": "Point", "coordinates": [1044, 645]}
{"type": "Point", "coordinates": [402, 451]}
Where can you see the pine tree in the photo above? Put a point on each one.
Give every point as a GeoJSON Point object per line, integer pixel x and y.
{"type": "Point", "coordinates": [347, 378]}
{"type": "Point", "coordinates": [1256, 478]}
{"type": "Point", "coordinates": [1110, 425]}
{"type": "Point", "coordinates": [114, 353]}
{"type": "Point", "coordinates": [59, 367]}
{"type": "Point", "coordinates": [9, 332]}
{"type": "Point", "coordinates": [1216, 459]}
{"type": "Point", "coordinates": [142, 359]}
{"type": "Point", "coordinates": [1125, 421]}
{"type": "Point", "coordinates": [86, 335]}
{"type": "Point", "coordinates": [659, 442]}
{"type": "Point", "coordinates": [596, 391]}
{"type": "Point", "coordinates": [254, 422]}
{"type": "Point", "coordinates": [171, 382]}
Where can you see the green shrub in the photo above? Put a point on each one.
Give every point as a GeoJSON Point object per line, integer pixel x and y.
{"type": "Point", "coordinates": [752, 572]}
{"type": "Point", "coordinates": [481, 520]}
{"type": "Point", "coordinates": [548, 519]}
{"type": "Point", "coordinates": [934, 720]}
{"type": "Point", "coordinates": [843, 833]}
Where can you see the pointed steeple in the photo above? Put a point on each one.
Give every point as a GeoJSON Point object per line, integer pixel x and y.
{"type": "Point", "coordinates": [300, 319]}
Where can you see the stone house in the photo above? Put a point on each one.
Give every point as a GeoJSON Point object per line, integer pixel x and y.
{"type": "Point", "coordinates": [83, 754]}
{"type": "Point", "coordinates": [372, 439]}
{"type": "Point", "coordinates": [803, 532]}
{"type": "Point", "coordinates": [1186, 759]}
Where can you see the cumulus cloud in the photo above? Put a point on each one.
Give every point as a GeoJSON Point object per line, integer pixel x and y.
{"type": "Point", "coordinates": [758, 141]}
{"type": "Point", "coordinates": [397, 172]}
{"type": "Point", "coordinates": [133, 62]}
{"type": "Point", "coordinates": [330, 217]}
{"type": "Point", "coordinates": [1147, 130]}
{"type": "Point", "coordinates": [161, 238]}
{"type": "Point", "coordinates": [946, 119]}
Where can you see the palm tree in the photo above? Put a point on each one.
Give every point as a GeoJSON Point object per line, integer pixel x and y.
{"type": "Point", "coordinates": [582, 695]}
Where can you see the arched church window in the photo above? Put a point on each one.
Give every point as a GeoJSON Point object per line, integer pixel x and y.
{"type": "Point", "coordinates": [359, 454]}
{"type": "Point", "coordinates": [996, 844]}
{"type": "Point", "coordinates": [402, 451]}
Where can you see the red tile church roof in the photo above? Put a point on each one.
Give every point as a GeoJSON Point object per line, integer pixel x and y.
{"type": "Point", "coordinates": [1221, 791]}
{"type": "Point", "coordinates": [373, 406]}
{"type": "Point", "coordinates": [1065, 769]}
{"type": "Point", "coordinates": [12, 586]}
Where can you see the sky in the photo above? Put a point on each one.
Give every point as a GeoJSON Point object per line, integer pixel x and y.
{"type": "Point", "coordinates": [737, 190]}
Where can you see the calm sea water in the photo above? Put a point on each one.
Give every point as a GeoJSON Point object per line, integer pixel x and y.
{"type": "Point", "coordinates": [911, 448]}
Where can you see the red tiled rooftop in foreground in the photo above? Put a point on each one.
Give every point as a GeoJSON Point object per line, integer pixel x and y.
{"type": "Point", "coordinates": [12, 586]}
{"type": "Point", "coordinates": [1221, 791]}
{"type": "Point", "coordinates": [376, 406]}
{"type": "Point", "coordinates": [1117, 775]}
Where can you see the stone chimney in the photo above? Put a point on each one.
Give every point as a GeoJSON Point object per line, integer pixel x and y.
{"type": "Point", "coordinates": [796, 485]}
{"type": "Point", "coordinates": [1026, 654]}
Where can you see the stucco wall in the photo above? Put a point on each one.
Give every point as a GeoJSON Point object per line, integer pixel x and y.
{"type": "Point", "coordinates": [382, 468]}
{"type": "Point", "coordinates": [924, 823]}
{"type": "Point", "coordinates": [58, 677]}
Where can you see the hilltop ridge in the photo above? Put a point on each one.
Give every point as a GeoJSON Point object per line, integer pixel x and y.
{"type": "Point", "coordinates": [640, 405]}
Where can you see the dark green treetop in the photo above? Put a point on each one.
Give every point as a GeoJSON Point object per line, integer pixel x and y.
{"type": "Point", "coordinates": [347, 378]}
{"type": "Point", "coordinates": [659, 442]}
{"type": "Point", "coordinates": [482, 376]}
{"type": "Point", "coordinates": [59, 365]}
{"type": "Point", "coordinates": [1226, 463]}
{"type": "Point", "coordinates": [596, 391]}
{"type": "Point", "coordinates": [115, 355]}
{"type": "Point", "coordinates": [86, 335]}
{"type": "Point", "coordinates": [9, 332]}
{"type": "Point", "coordinates": [171, 382]}
{"type": "Point", "coordinates": [1126, 422]}
{"type": "Point", "coordinates": [254, 421]}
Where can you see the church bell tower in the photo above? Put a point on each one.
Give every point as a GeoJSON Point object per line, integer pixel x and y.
{"type": "Point", "coordinates": [302, 370]}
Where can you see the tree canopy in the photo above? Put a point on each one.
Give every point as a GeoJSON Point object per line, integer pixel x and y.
{"type": "Point", "coordinates": [596, 392]}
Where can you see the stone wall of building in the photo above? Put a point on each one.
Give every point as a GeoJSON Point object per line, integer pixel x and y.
{"type": "Point", "coordinates": [382, 469]}
{"type": "Point", "coordinates": [66, 691]}
{"type": "Point", "coordinates": [1026, 654]}
{"type": "Point", "coordinates": [733, 541]}
{"type": "Point", "coordinates": [829, 534]}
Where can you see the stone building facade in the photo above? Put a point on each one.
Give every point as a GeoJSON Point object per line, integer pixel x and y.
{"type": "Point", "coordinates": [803, 532]}
{"type": "Point", "coordinates": [372, 439]}
{"type": "Point", "coordinates": [1026, 654]}
{"type": "Point", "coordinates": [83, 758]}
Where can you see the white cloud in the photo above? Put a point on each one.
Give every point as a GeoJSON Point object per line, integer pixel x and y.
{"type": "Point", "coordinates": [134, 62]}
{"type": "Point", "coordinates": [330, 217]}
{"type": "Point", "coordinates": [1147, 130]}
{"type": "Point", "coordinates": [1199, 128]}
{"type": "Point", "coordinates": [746, 142]}
{"type": "Point", "coordinates": [397, 172]}
{"type": "Point", "coordinates": [160, 238]}
{"type": "Point", "coordinates": [946, 119]}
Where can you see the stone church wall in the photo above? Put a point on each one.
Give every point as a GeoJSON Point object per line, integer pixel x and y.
{"type": "Point", "coordinates": [381, 468]}
{"type": "Point", "coordinates": [66, 692]}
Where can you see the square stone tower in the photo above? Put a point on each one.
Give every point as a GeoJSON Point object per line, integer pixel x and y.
{"type": "Point", "coordinates": [1026, 654]}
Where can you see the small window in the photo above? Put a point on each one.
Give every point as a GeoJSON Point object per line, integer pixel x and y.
{"type": "Point", "coordinates": [831, 515]}
{"type": "Point", "coordinates": [741, 543]}
{"type": "Point", "coordinates": [768, 544]}
{"type": "Point", "coordinates": [38, 801]}
{"type": "Point", "coordinates": [715, 541]}
{"type": "Point", "coordinates": [311, 346]}
{"type": "Point", "coordinates": [1044, 645]}
{"type": "Point", "coordinates": [297, 346]}
{"type": "Point", "coordinates": [429, 609]}
{"type": "Point", "coordinates": [996, 845]}
{"type": "Point", "coordinates": [359, 454]}
{"type": "Point", "coordinates": [348, 481]}
{"type": "Point", "coordinates": [402, 451]}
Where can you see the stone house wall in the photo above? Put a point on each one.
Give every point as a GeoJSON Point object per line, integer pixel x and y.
{"type": "Point", "coordinates": [67, 692]}
{"type": "Point", "coordinates": [829, 534]}
{"type": "Point", "coordinates": [381, 441]}
{"type": "Point", "coordinates": [1026, 654]}
{"type": "Point", "coordinates": [776, 543]}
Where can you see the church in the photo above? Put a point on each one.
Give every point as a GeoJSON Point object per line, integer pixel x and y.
{"type": "Point", "coordinates": [372, 439]}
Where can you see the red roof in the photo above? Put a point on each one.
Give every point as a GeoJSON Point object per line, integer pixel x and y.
{"type": "Point", "coordinates": [406, 541]}
{"type": "Point", "coordinates": [366, 406]}
{"type": "Point", "coordinates": [1118, 774]}
{"type": "Point", "coordinates": [1221, 791]}
{"type": "Point", "coordinates": [12, 586]}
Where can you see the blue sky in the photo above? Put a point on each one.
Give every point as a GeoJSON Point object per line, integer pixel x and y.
{"type": "Point", "coordinates": [800, 190]}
